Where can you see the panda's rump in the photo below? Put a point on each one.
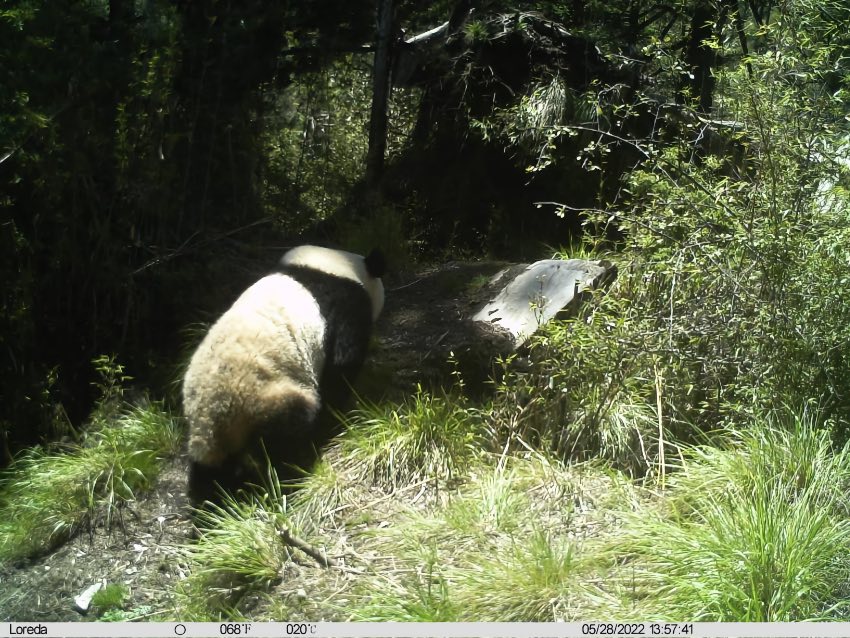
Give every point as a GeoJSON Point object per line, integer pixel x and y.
{"type": "Point", "coordinates": [259, 364]}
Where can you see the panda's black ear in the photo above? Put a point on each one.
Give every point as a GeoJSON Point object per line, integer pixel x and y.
{"type": "Point", "coordinates": [376, 263]}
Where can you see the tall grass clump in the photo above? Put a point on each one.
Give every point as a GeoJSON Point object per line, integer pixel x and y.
{"type": "Point", "coordinates": [754, 532]}
{"type": "Point", "coordinates": [49, 493]}
{"type": "Point", "coordinates": [239, 551]}
{"type": "Point", "coordinates": [529, 580]}
{"type": "Point", "coordinates": [428, 437]}
{"type": "Point", "coordinates": [791, 448]}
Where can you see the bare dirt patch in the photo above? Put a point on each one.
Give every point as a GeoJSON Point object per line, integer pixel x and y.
{"type": "Point", "coordinates": [425, 335]}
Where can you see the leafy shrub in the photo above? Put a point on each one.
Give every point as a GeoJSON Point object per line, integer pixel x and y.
{"type": "Point", "coordinates": [728, 304]}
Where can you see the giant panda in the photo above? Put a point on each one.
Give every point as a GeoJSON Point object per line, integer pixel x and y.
{"type": "Point", "coordinates": [290, 345]}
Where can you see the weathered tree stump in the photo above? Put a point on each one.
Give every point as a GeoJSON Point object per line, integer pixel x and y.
{"type": "Point", "coordinates": [545, 289]}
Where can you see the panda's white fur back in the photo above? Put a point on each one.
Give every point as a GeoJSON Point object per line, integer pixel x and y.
{"type": "Point", "coordinates": [262, 358]}
{"type": "Point", "coordinates": [341, 264]}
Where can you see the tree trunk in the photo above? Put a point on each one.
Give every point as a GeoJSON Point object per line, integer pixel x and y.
{"type": "Point", "coordinates": [700, 57]}
{"type": "Point", "coordinates": [380, 95]}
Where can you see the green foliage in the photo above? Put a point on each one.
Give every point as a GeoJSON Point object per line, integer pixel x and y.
{"type": "Point", "coordinates": [492, 505]}
{"type": "Point", "coordinates": [429, 436]}
{"type": "Point", "coordinates": [320, 495]}
{"type": "Point", "coordinates": [475, 32]}
{"type": "Point", "coordinates": [728, 300]}
{"type": "Point", "coordinates": [110, 384]}
{"type": "Point", "coordinates": [314, 147]}
{"type": "Point", "coordinates": [239, 551]}
{"type": "Point", "coordinates": [793, 450]}
{"type": "Point", "coordinates": [110, 598]}
{"type": "Point", "coordinates": [737, 288]}
{"type": "Point", "coordinates": [138, 143]}
{"type": "Point", "coordinates": [760, 537]}
{"type": "Point", "coordinates": [127, 615]}
{"type": "Point", "coordinates": [589, 395]}
{"type": "Point", "coordinates": [48, 494]}
{"type": "Point", "coordinates": [540, 124]}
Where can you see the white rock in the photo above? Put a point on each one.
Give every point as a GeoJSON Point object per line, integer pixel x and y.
{"type": "Point", "coordinates": [83, 601]}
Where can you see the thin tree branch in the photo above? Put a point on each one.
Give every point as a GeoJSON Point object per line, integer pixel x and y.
{"type": "Point", "coordinates": [320, 557]}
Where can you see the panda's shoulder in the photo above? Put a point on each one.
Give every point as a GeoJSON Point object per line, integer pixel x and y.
{"type": "Point", "coordinates": [334, 293]}
{"type": "Point", "coordinates": [318, 282]}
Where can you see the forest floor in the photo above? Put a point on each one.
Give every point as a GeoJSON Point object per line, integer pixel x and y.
{"type": "Point", "coordinates": [421, 328]}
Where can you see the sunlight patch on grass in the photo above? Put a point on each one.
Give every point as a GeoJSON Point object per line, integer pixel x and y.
{"type": "Point", "coordinates": [493, 505]}
{"type": "Point", "coordinates": [514, 543]}
{"type": "Point", "coordinates": [529, 578]}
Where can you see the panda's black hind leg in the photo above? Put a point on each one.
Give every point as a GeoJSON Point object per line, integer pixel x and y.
{"type": "Point", "coordinates": [205, 482]}
{"type": "Point", "coordinates": [292, 445]}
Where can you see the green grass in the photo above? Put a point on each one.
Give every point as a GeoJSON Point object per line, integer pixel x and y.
{"type": "Point", "coordinates": [755, 532]}
{"type": "Point", "coordinates": [427, 437]}
{"type": "Point", "coordinates": [752, 527]}
{"type": "Point", "coordinates": [110, 598]}
{"type": "Point", "coordinates": [509, 545]}
{"type": "Point", "coordinates": [321, 495]}
{"type": "Point", "coordinates": [793, 450]}
{"type": "Point", "coordinates": [589, 247]}
{"type": "Point", "coordinates": [239, 551]}
{"type": "Point", "coordinates": [46, 495]}
{"type": "Point", "coordinates": [494, 505]}
{"type": "Point", "coordinates": [507, 541]}
{"type": "Point", "coordinates": [423, 597]}
{"type": "Point", "coordinates": [530, 578]}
